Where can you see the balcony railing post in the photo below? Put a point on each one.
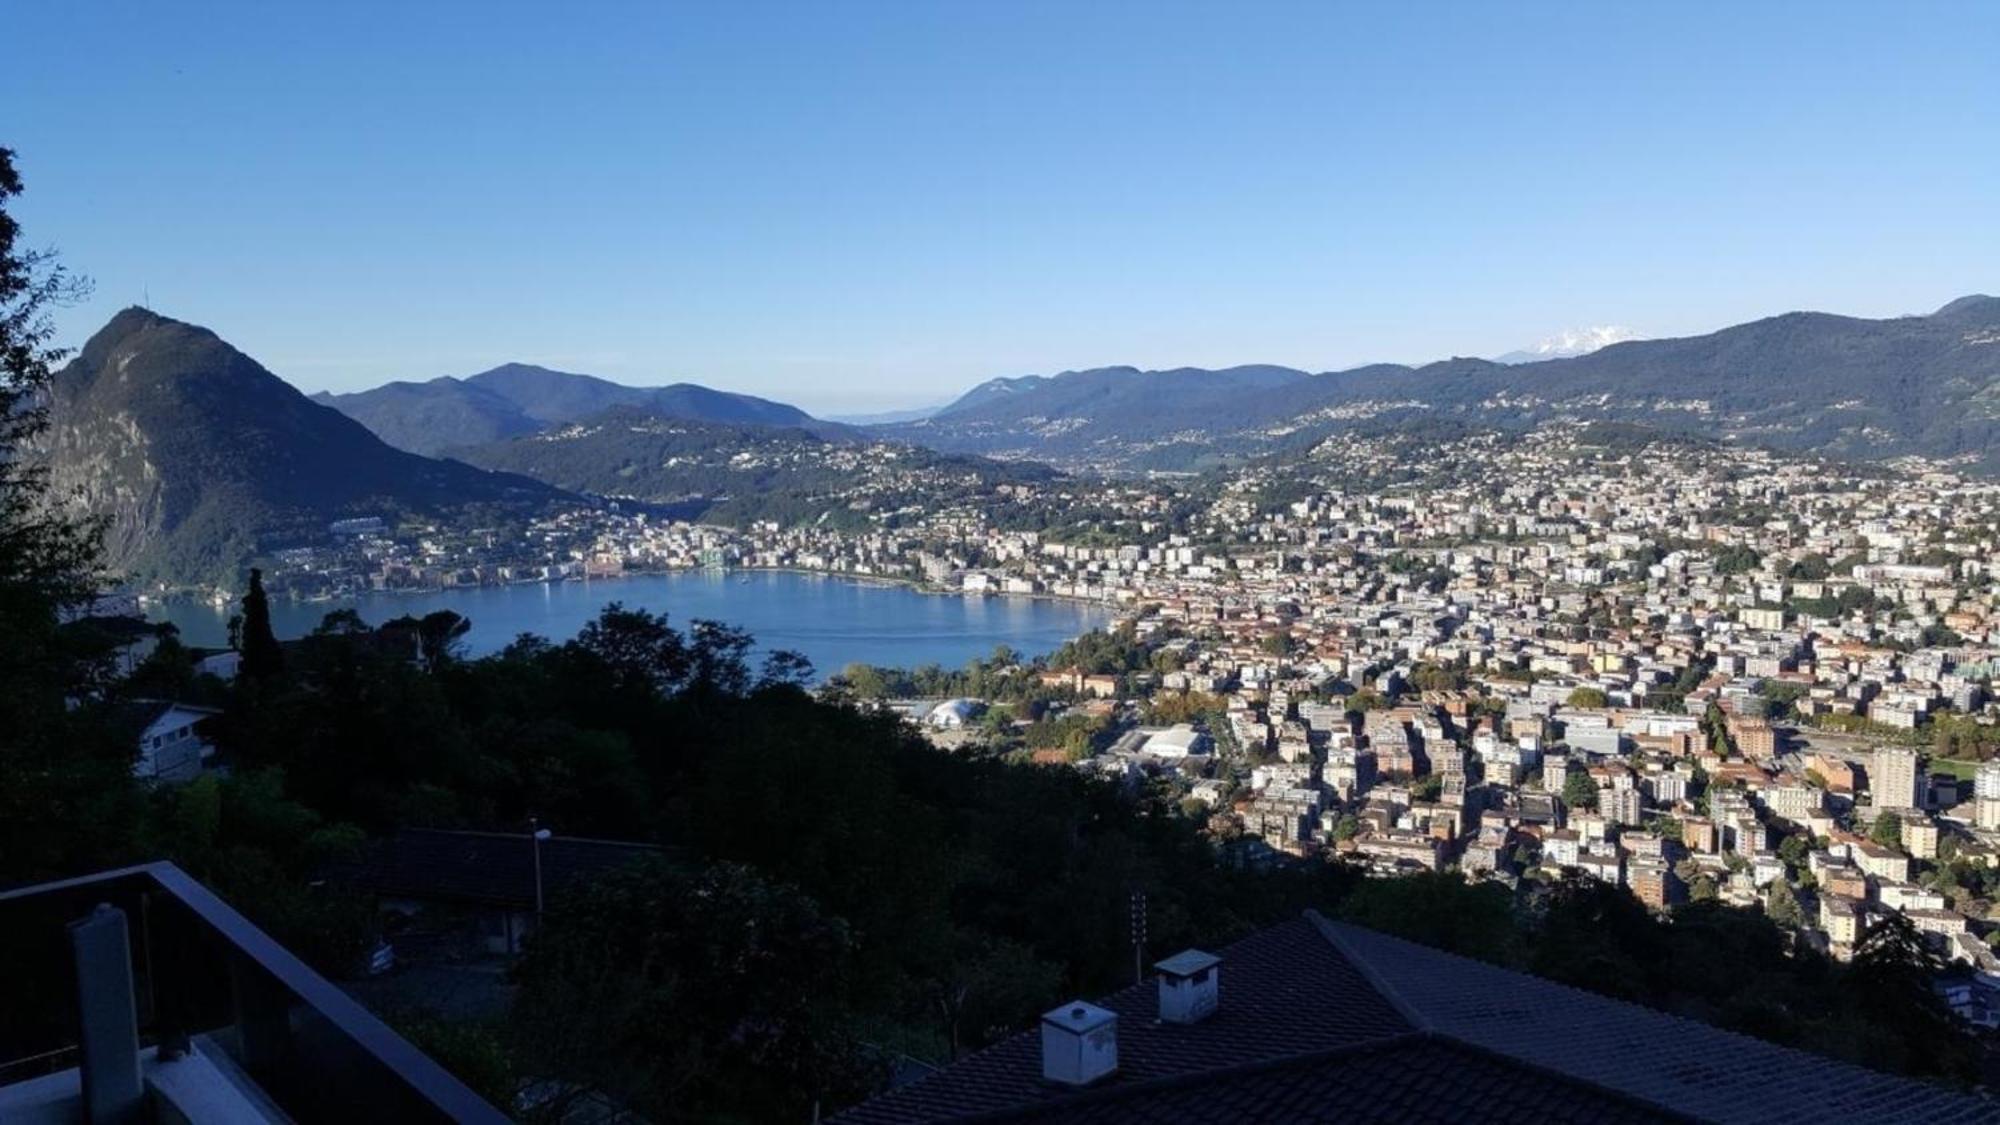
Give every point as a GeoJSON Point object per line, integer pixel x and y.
{"type": "Point", "coordinates": [263, 1017]}
{"type": "Point", "coordinates": [108, 1039]}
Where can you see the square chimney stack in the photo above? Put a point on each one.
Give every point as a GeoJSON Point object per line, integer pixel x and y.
{"type": "Point", "coordinates": [1190, 986]}
{"type": "Point", "coordinates": [1079, 1043]}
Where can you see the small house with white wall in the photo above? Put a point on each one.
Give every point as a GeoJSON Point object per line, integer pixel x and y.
{"type": "Point", "coordinates": [222, 664]}
{"type": "Point", "coordinates": [171, 745]}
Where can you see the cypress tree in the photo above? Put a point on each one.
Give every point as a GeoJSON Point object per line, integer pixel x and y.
{"type": "Point", "coordinates": [262, 658]}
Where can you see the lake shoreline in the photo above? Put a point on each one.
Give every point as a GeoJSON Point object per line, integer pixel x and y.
{"type": "Point", "coordinates": [914, 585]}
{"type": "Point", "coordinates": [830, 616]}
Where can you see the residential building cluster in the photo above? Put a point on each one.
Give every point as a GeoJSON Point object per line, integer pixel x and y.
{"type": "Point", "coordinates": [1689, 670]}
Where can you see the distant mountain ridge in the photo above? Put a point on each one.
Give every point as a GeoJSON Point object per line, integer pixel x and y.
{"type": "Point", "coordinates": [991, 391]}
{"type": "Point", "coordinates": [1846, 386]}
{"type": "Point", "coordinates": [517, 398]}
{"type": "Point", "coordinates": [737, 472]}
{"type": "Point", "coordinates": [887, 417]}
{"type": "Point", "coordinates": [199, 458]}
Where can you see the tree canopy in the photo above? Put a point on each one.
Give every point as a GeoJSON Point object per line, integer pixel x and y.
{"type": "Point", "coordinates": [60, 795]}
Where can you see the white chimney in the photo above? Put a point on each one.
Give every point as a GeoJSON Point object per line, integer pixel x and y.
{"type": "Point", "coordinates": [1079, 1043]}
{"type": "Point", "coordinates": [1190, 986]}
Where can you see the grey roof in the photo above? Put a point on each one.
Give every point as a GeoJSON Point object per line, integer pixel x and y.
{"type": "Point", "coordinates": [1412, 1079]}
{"type": "Point", "coordinates": [1324, 1021]}
{"type": "Point", "coordinates": [1669, 1061]}
{"type": "Point", "coordinates": [1286, 992]}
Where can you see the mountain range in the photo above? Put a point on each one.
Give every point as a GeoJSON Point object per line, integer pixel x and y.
{"type": "Point", "coordinates": [197, 457]}
{"type": "Point", "coordinates": [1847, 386]}
{"type": "Point", "coordinates": [517, 398]}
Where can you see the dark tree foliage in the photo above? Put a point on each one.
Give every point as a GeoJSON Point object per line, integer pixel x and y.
{"type": "Point", "coordinates": [440, 635]}
{"type": "Point", "coordinates": [1003, 675]}
{"type": "Point", "coordinates": [65, 789]}
{"type": "Point", "coordinates": [1101, 652]}
{"type": "Point", "coordinates": [1579, 791]}
{"type": "Point", "coordinates": [943, 899]}
{"type": "Point", "coordinates": [68, 800]}
{"type": "Point", "coordinates": [977, 892]}
{"type": "Point", "coordinates": [1887, 831]}
{"type": "Point", "coordinates": [1811, 567]}
{"type": "Point", "coordinates": [1441, 910]}
{"type": "Point", "coordinates": [692, 993]}
{"type": "Point", "coordinates": [263, 658]}
{"type": "Point", "coordinates": [1736, 559]}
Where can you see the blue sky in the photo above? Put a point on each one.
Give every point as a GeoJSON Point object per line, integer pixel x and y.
{"type": "Point", "coordinates": [857, 206]}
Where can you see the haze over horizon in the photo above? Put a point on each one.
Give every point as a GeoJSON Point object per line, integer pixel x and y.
{"type": "Point", "coordinates": [880, 206]}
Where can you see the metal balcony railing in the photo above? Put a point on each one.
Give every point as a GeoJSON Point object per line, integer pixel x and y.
{"type": "Point", "coordinates": [199, 973]}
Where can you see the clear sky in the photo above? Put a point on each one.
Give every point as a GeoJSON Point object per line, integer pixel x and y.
{"type": "Point", "coordinates": [854, 206]}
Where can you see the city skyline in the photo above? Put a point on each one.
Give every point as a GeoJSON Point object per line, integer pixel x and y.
{"type": "Point", "coordinates": [881, 206]}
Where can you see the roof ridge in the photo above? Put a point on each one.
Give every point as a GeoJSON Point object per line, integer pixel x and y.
{"type": "Point", "coordinates": [150, 699]}
{"type": "Point", "coordinates": [1855, 1070]}
{"type": "Point", "coordinates": [1598, 997]}
{"type": "Point", "coordinates": [1117, 1091]}
{"type": "Point", "coordinates": [1409, 1011]}
{"type": "Point", "coordinates": [1583, 992]}
{"type": "Point", "coordinates": [1562, 1075]}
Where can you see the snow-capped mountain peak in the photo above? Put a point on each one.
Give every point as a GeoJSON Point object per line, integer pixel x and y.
{"type": "Point", "coordinates": [1572, 342]}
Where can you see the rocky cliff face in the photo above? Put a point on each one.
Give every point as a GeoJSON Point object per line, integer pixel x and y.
{"type": "Point", "coordinates": [197, 458]}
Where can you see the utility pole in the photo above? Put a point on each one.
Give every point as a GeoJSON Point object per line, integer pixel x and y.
{"type": "Point", "coordinates": [1138, 937]}
{"type": "Point", "coordinates": [537, 833]}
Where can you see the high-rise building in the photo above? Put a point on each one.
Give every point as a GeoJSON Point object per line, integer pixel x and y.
{"type": "Point", "coordinates": [1986, 782]}
{"type": "Point", "coordinates": [1896, 781]}
{"type": "Point", "coordinates": [1555, 773]}
{"type": "Point", "coordinates": [1986, 795]}
{"type": "Point", "coordinates": [1623, 806]}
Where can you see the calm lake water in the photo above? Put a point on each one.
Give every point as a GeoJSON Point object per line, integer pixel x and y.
{"type": "Point", "coordinates": [833, 621]}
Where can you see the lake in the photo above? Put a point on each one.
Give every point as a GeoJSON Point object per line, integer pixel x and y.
{"type": "Point", "coordinates": [833, 621]}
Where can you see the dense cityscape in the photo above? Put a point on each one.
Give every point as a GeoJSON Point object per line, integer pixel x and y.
{"type": "Point", "coordinates": [1689, 670]}
{"type": "Point", "coordinates": [893, 563]}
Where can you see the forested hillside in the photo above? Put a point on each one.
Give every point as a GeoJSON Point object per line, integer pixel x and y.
{"type": "Point", "coordinates": [740, 473]}
{"type": "Point", "coordinates": [1848, 386]}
